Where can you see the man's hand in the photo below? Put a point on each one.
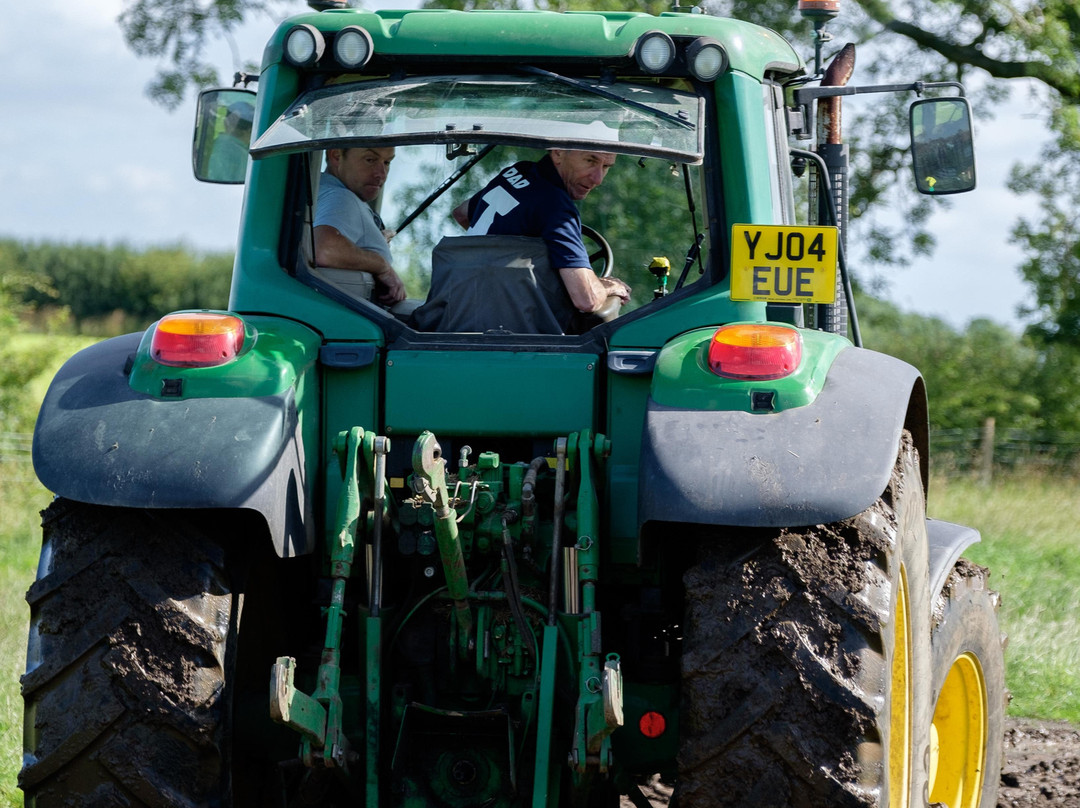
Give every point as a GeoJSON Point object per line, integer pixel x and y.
{"type": "Point", "coordinates": [614, 286]}
{"type": "Point", "coordinates": [588, 292]}
{"type": "Point", "coordinates": [395, 289]}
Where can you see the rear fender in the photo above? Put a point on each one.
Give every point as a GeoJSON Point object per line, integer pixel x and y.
{"type": "Point", "coordinates": [233, 438]}
{"type": "Point", "coordinates": [820, 462]}
{"type": "Point", "coordinates": [947, 543]}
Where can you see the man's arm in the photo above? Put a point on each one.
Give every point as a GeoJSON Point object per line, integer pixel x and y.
{"type": "Point", "coordinates": [335, 250]}
{"type": "Point", "coordinates": [589, 292]}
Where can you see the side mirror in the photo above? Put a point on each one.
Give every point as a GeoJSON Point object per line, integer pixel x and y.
{"type": "Point", "coordinates": [942, 148]}
{"type": "Point", "coordinates": [223, 121]}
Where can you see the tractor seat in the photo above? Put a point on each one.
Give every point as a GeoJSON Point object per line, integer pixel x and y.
{"type": "Point", "coordinates": [494, 284]}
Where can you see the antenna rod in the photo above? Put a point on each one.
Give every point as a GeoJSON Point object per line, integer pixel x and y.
{"type": "Point", "coordinates": [819, 12]}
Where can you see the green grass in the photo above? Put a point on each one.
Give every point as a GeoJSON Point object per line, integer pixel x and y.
{"type": "Point", "coordinates": [1029, 529]}
{"type": "Point", "coordinates": [20, 500]}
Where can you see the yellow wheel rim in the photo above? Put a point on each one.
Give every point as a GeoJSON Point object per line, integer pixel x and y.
{"type": "Point", "coordinates": [959, 736]}
{"type": "Point", "coordinates": [900, 711]}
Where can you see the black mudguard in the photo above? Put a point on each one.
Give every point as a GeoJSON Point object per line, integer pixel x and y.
{"type": "Point", "coordinates": [805, 466]}
{"type": "Point", "coordinates": [98, 441]}
{"type": "Point", "coordinates": [947, 543]}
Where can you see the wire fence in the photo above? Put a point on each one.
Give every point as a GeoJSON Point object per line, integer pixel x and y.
{"type": "Point", "coordinates": [953, 452]}
{"type": "Point", "coordinates": [988, 451]}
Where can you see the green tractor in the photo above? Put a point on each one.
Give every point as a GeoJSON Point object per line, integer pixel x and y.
{"type": "Point", "coordinates": [317, 549]}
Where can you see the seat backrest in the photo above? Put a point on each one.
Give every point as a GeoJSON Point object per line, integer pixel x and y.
{"type": "Point", "coordinates": [497, 284]}
{"type": "Point", "coordinates": [357, 285]}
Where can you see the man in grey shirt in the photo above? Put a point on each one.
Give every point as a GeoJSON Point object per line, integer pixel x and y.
{"type": "Point", "coordinates": [348, 233]}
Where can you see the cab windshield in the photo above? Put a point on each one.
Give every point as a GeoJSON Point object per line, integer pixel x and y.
{"type": "Point", "coordinates": [525, 110]}
{"type": "Point", "coordinates": [448, 138]}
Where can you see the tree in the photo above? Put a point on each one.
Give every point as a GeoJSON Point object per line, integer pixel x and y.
{"type": "Point", "coordinates": [20, 362]}
{"type": "Point", "coordinates": [951, 39]}
{"type": "Point", "coordinates": [96, 281]}
{"type": "Point", "coordinates": [1051, 242]}
{"type": "Point", "coordinates": [980, 372]}
{"type": "Point", "coordinates": [1005, 41]}
{"type": "Point", "coordinates": [179, 31]}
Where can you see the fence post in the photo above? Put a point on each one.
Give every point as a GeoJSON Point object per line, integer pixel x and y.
{"type": "Point", "coordinates": [986, 452]}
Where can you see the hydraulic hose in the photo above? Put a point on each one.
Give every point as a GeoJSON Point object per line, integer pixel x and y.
{"type": "Point", "coordinates": [382, 446]}
{"type": "Point", "coordinates": [510, 584]}
{"type": "Point", "coordinates": [528, 486]}
{"type": "Point", "coordinates": [528, 494]}
{"type": "Point", "coordinates": [556, 529]}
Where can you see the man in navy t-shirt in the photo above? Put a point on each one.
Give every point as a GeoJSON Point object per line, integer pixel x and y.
{"type": "Point", "coordinates": [537, 199]}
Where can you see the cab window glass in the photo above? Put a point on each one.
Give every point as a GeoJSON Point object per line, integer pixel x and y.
{"type": "Point", "coordinates": [779, 171]}
{"type": "Point", "coordinates": [641, 209]}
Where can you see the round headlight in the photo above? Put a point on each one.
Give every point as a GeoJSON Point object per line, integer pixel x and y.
{"type": "Point", "coordinates": [352, 47]}
{"type": "Point", "coordinates": [304, 45]}
{"type": "Point", "coordinates": [707, 59]}
{"type": "Point", "coordinates": [654, 52]}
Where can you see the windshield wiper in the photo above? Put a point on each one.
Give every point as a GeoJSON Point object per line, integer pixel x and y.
{"type": "Point", "coordinates": [608, 94]}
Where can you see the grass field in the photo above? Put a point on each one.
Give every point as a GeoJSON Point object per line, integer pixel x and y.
{"type": "Point", "coordinates": [20, 500]}
{"type": "Point", "coordinates": [1028, 527]}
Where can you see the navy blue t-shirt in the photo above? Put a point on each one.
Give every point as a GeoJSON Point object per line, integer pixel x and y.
{"type": "Point", "coordinates": [529, 199]}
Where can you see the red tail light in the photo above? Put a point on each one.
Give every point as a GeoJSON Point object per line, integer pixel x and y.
{"type": "Point", "coordinates": [197, 339]}
{"type": "Point", "coordinates": [652, 724]}
{"type": "Point", "coordinates": [755, 351]}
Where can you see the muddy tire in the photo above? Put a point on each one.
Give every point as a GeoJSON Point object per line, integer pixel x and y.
{"type": "Point", "coordinates": [969, 692]}
{"type": "Point", "coordinates": [806, 659]}
{"type": "Point", "coordinates": [131, 618]}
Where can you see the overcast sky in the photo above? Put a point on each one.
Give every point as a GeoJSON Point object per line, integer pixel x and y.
{"type": "Point", "coordinates": [86, 156]}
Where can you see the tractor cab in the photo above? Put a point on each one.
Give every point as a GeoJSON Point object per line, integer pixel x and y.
{"type": "Point", "coordinates": [451, 134]}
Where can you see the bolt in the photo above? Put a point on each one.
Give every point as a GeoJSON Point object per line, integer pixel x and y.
{"type": "Point", "coordinates": [463, 772]}
{"type": "Point", "coordinates": [341, 443]}
{"type": "Point", "coordinates": [429, 572]}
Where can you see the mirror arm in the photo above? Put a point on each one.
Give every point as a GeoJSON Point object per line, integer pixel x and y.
{"type": "Point", "coordinates": [804, 95]}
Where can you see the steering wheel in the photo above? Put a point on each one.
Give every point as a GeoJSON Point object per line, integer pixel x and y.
{"type": "Point", "coordinates": [602, 254]}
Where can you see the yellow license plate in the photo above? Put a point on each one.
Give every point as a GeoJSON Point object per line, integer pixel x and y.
{"type": "Point", "coordinates": [783, 263]}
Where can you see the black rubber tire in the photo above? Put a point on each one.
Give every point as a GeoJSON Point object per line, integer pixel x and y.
{"type": "Point", "coordinates": [967, 642]}
{"type": "Point", "coordinates": [789, 643]}
{"type": "Point", "coordinates": [131, 621]}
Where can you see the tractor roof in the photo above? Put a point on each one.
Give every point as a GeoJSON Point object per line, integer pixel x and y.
{"type": "Point", "coordinates": [543, 35]}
